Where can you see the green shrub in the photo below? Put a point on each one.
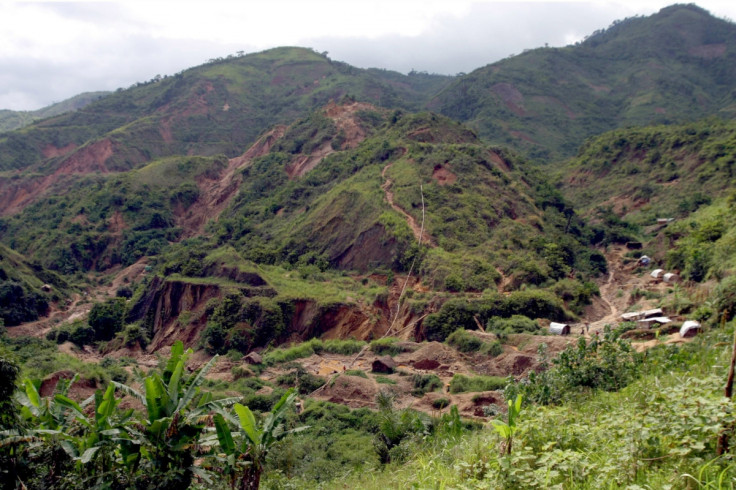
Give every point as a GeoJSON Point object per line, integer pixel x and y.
{"type": "Point", "coordinates": [383, 380]}
{"type": "Point", "coordinates": [440, 403]}
{"type": "Point", "coordinates": [134, 334]}
{"type": "Point", "coordinates": [515, 324]}
{"type": "Point", "coordinates": [314, 346]}
{"type": "Point", "coordinates": [240, 372]}
{"type": "Point", "coordinates": [461, 383]}
{"type": "Point", "coordinates": [83, 335]}
{"type": "Point", "coordinates": [607, 364]}
{"type": "Point", "coordinates": [385, 346]}
{"type": "Point", "coordinates": [304, 381]}
{"type": "Point", "coordinates": [356, 372]}
{"type": "Point", "coordinates": [106, 319]}
{"type": "Point", "coordinates": [424, 383]}
{"type": "Point", "coordinates": [464, 341]}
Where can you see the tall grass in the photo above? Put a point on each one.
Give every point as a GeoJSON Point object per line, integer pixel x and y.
{"type": "Point", "coordinates": [314, 346]}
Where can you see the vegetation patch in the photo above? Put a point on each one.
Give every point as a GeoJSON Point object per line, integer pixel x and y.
{"type": "Point", "coordinates": [461, 383]}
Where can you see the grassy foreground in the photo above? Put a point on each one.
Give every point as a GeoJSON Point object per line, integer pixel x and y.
{"type": "Point", "coordinates": [659, 432]}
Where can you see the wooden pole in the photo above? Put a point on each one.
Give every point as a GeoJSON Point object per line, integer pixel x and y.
{"type": "Point", "coordinates": [728, 393]}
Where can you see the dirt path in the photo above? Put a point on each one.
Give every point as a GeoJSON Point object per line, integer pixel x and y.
{"type": "Point", "coordinates": [420, 235]}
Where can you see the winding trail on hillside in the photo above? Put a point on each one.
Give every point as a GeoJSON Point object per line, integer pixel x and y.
{"type": "Point", "coordinates": [420, 235]}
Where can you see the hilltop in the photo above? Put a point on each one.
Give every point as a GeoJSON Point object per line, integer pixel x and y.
{"type": "Point", "coordinates": [674, 66]}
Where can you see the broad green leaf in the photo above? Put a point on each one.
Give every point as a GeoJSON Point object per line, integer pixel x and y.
{"type": "Point", "coordinates": [32, 393]}
{"type": "Point", "coordinates": [173, 387]}
{"type": "Point", "coordinates": [177, 350]}
{"type": "Point", "coordinates": [130, 391]}
{"type": "Point", "coordinates": [224, 435]}
{"type": "Point", "coordinates": [89, 454]}
{"type": "Point", "coordinates": [248, 423]}
{"type": "Point", "coordinates": [193, 387]}
{"type": "Point", "coordinates": [69, 448]}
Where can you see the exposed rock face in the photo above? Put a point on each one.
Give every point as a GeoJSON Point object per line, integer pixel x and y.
{"type": "Point", "coordinates": [160, 308]}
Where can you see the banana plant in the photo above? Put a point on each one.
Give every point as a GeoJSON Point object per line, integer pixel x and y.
{"type": "Point", "coordinates": [44, 412]}
{"type": "Point", "coordinates": [508, 429]}
{"type": "Point", "coordinates": [104, 434]}
{"type": "Point", "coordinates": [172, 426]}
{"type": "Point", "coordinates": [245, 450]}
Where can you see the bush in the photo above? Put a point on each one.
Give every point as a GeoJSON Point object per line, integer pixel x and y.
{"type": "Point", "coordinates": [440, 403]}
{"type": "Point", "coordinates": [424, 383]}
{"type": "Point", "coordinates": [461, 383]}
{"type": "Point", "coordinates": [240, 372]}
{"type": "Point", "coordinates": [134, 335]}
{"type": "Point", "coordinates": [82, 335]}
{"type": "Point", "coordinates": [106, 319]}
{"type": "Point", "coordinates": [304, 381]}
{"type": "Point", "coordinates": [124, 292]}
{"type": "Point", "coordinates": [356, 372]}
{"type": "Point", "coordinates": [386, 346]}
{"type": "Point", "coordinates": [515, 324]}
{"type": "Point", "coordinates": [608, 364]}
{"type": "Point", "coordinates": [464, 341]}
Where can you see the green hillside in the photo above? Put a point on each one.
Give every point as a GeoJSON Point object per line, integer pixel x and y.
{"type": "Point", "coordinates": [26, 289]}
{"type": "Point", "coordinates": [675, 66]}
{"type": "Point", "coordinates": [653, 172]}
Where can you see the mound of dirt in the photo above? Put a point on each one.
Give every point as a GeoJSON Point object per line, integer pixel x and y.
{"type": "Point", "coordinates": [470, 405]}
{"type": "Point", "coordinates": [433, 351]}
{"type": "Point", "coordinates": [353, 391]}
{"type": "Point", "coordinates": [427, 364]}
{"type": "Point", "coordinates": [81, 389]}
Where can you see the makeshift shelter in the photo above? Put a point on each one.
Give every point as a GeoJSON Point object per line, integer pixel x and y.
{"type": "Point", "coordinates": [657, 273]}
{"type": "Point", "coordinates": [644, 260]}
{"type": "Point", "coordinates": [671, 277]}
{"type": "Point", "coordinates": [689, 329]}
{"type": "Point", "coordinates": [651, 313]}
{"type": "Point", "coordinates": [631, 316]}
{"type": "Point", "coordinates": [385, 365]}
{"type": "Point", "coordinates": [253, 358]}
{"type": "Point", "coordinates": [559, 328]}
{"type": "Point", "coordinates": [657, 320]}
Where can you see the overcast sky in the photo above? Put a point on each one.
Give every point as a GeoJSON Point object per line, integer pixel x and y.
{"type": "Point", "coordinates": [50, 51]}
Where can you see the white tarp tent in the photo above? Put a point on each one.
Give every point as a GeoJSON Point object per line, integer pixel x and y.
{"type": "Point", "coordinates": [559, 328]}
{"type": "Point", "coordinates": [671, 277]}
{"type": "Point", "coordinates": [659, 320]}
{"type": "Point", "coordinates": [657, 273]}
{"type": "Point", "coordinates": [651, 313]}
{"type": "Point", "coordinates": [689, 328]}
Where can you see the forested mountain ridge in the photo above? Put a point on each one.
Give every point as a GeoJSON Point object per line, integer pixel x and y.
{"type": "Point", "coordinates": [674, 66]}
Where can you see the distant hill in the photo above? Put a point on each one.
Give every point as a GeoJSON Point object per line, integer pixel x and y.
{"type": "Point", "coordinates": [216, 108]}
{"type": "Point", "coordinates": [675, 66]}
{"type": "Point", "coordinates": [11, 120]}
